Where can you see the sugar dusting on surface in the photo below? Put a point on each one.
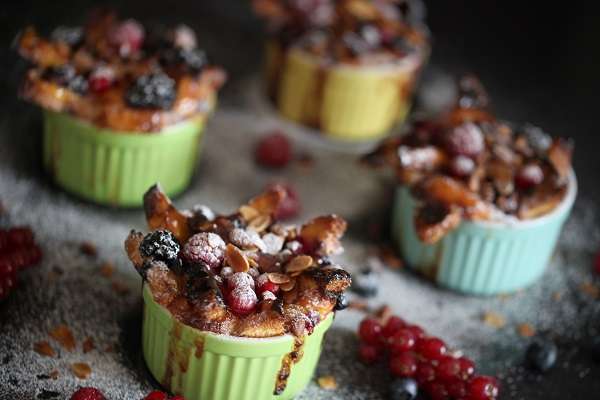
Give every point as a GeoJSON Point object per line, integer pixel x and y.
{"type": "Point", "coordinates": [86, 301]}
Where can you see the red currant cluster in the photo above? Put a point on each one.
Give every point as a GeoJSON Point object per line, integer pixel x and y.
{"type": "Point", "coordinates": [438, 372]}
{"type": "Point", "coordinates": [90, 393]}
{"type": "Point", "coordinates": [17, 251]}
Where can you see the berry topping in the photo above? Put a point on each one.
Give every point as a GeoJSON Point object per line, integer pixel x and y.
{"type": "Point", "coordinates": [597, 263]}
{"type": "Point", "coordinates": [425, 372]}
{"type": "Point", "coordinates": [466, 140]}
{"type": "Point", "coordinates": [290, 206]}
{"type": "Point", "coordinates": [403, 389]}
{"type": "Point", "coordinates": [393, 324]}
{"type": "Point", "coordinates": [205, 247]}
{"type": "Point", "coordinates": [541, 355]}
{"type": "Point", "coordinates": [155, 90]}
{"type": "Point", "coordinates": [88, 393]}
{"type": "Point", "coordinates": [342, 302]}
{"type": "Point", "coordinates": [403, 365]}
{"type": "Point", "coordinates": [160, 245]}
{"type": "Point", "coordinates": [101, 79]}
{"type": "Point", "coordinates": [401, 341]}
{"type": "Point", "coordinates": [448, 369]}
{"type": "Point", "coordinates": [240, 280]}
{"type": "Point", "coordinates": [457, 389]}
{"type": "Point", "coordinates": [66, 76]}
{"type": "Point", "coordinates": [368, 353]}
{"type": "Point", "coordinates": [482, 388]}
{"type": "Point", "coordinates": [263, 284]}
{"type": "Point", "coordinates": [370, 331]}
{"type": "Point", "coordinates": [242, 300]}
{"type": "Point", "coordinates": [537, 139]}
{"type": "Point", "coordinates": [431, 348]}
{"type": "Point", "coordinates": [366, 283]}
{"type": "Point", "coordinates": [193, 59]}
{"type": "Point", "coordinates": [156, 395]}
{"type": "Point", "coordinates": [127, 37]}
{"type": "Point", "coordinates": [467, 368]}
{"type": "Point", "coordinates": [184, 37]}
{"type": "Point", "coordinates": [529, 176]}
{"type": "Point", "coordinates": [274, 151]}
{"type": "Point", "coordinates": [461, 166]}
{"type": "Point", "coordinates": [71, 35]}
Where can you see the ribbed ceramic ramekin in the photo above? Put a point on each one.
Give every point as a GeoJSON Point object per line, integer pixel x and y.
{"type": "Point", "coordinates": [116, 168]}
{"type": "Point", "coordinates": [205, 366]}
{"type": "Point", "coordinates": [481, 258]}
{"type": "Point", "coordinates": [350, 103]}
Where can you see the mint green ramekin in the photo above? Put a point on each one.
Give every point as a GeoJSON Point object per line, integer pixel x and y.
{"type": "Point", "coordinates": [206, 366]}
{"type": "Point", "coordinates": [116, 168]}
{"type": "Point", "coordinates": [481, 257]}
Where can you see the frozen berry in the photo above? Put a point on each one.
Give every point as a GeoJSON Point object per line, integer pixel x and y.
{"type": "Point", "coordinates": [482, 388]}
{"type": "Point", "coordinates": [242, 300]}
{"type": "Point", "coordinates": [88, 393]}
{"type": "Point", "coordinates": [155, 90]}
{"type": "Point", "coordinates": [431, 348]}
{"type": "Point", "coordinates": [461, 166]}
{"type": "Point", "coordinates": [101, 79]}
{"type": "Point", "coordinates": [369, 331]}
{"type": "Point", "coordinates": [392, 325]}
{"type": "Point", "coordinates": [160, 245]}
{"type": "Point", "coordinates": [448, 369]}
{"type": "Point", "coordinates": [8, 279]}
{"type": "Point", "coordinates": [274, 151]}
{"type": "Point", "coordinates": [263, 284]}
{"type": "Point", "coordinates": [290, 206]}
{"type": "Point", "coordinates": [403, 365]}
{"type": "Point", "coordinates": [365, 283]}
{"type": "Point", "coordinates": [403, 389]}
{"type": "Point", "coordinates": [425, 372]}
{"type": "Point", "coordinates": [342, 302]}
{"type": "Point", "coordinates": [71, 35]}
{"type": "Point", "coordinates": [529, 176]}
{"type": "Point", "coordinates": [156, 395]}
{"type": "Point", "coordinates": [205, 247]}
{"type": "Point", "coordinates": [368, 353]}
{"type": "Point", "coordinates": [127, 37]}
{"type": "Point", "coordinates": [240, 280]}
{"type": "Point", "coordinates": [541, 355]}
{"type": "Point", "coordinates": [193, 59]}
{"type": "Point", "coordinates": [466, 140]}
{"type": "Point", "coordinates": [403, 340]}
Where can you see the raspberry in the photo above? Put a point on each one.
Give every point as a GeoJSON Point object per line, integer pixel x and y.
{"type": "Point", "coordinates": [403, 365]}
{"type": "Point", "coordinates": [448, 369]}
{"type": "Point", "coordinates": [22, 257]}
{"type": "Point", "coordinates": [482, 388]}
{"type": "Point", "coordinates": [392, 326]}
{"type": "Point", "coordinates": [240, 280]}
{"type": "Point", "coordinates": [20, 236]}
{"type": "Point", "coordinates": [88, 393]}
{"type": "Point", "coordinates": [242, 300]}
{"type": "Point", "coordinates": [461, 166]}
{"type": "Point", "coordinates": [127, 37]}
{"type": "Point", "coordinates": [8, 279]}
{"type": "Point", "coordinates": [263, 284]}
{"type": "Point", "coordinates": [160, 245]}
{"type": "Point", "coordinates": [205, 247]}
{"type": "Point", "coordinates": [369, 331]}
{"type": "Point", "coordinates": [155, 90]}
{"type": "Point", "coordinates": [156, 395]}
{"type": "Point", "coordinates": [369, 354]}
{"type": "Point", "coordinates": [466, 140]}
{"type": "Point", "coordinates": [403, 340]}
{"type": "Point", "coordinates": [274, 151]}
{"type": "Point", "coordinates": [529, 176]}
{"type": "Point", "coordinates": [431, 348]}
{"type": "Point", "coordinates": [101, 79]}
{"type": "Point", "coordinates": [290, 206]}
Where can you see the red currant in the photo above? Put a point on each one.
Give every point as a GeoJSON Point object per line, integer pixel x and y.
{"type": "Point", "coordinates": [425, 373]}
{"type": "Point", "coordinates": [20, 236]}
{"type": "Point", "coordinates": [457, 389]}
{"type": "Point", "coordinates": [416, 330]}
{"type": "Point", "coordinates": [368, 353]}
{"type": "Point", "coordinates": [156, 395]}
{"type": "Point", "coordinates": [101, 79]}
{"type": "Point", "coordinates": [393, 324]}
{"type": "Point", "coordinates": [403, 365]}
{"type": "Point", "coordinates": [431, 348]}
{"type": "Point", "coordinates": [403, 340]}
{"type": "Point", "coordinates": [436, 391]}
{"type": "Point", "coordinates": [467, 368]}
{"type": "Point", "coordinates": [483, 388]}
{"type": "Point", "coordinates": [448, 369]}
{"type": "Point", "coordinates": [88, 393]}
{"type": "Point", "coordinates": [529, 176]}
{"type": "Point", "coordinates": [274, 151]}
{"type": "Point", "coordinates": [369, 331]}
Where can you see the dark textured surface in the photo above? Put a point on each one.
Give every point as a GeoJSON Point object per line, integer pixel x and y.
{"type": "Point", "coordinates": [537, 68]}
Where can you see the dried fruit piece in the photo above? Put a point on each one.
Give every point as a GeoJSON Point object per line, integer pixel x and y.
{"type": "Point", "coordinates": [81, 370]}
{"type": "Point", "coordinates": [327, 382]}
{"type": "Point", "coordinates": [63, 335]}
{"type": "Point", "coordinates": [43, 348]}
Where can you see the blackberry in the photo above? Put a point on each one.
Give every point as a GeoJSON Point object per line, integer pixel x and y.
{"type": "Point", "coordinates": [155, 90]}
{"type": "Point", "coordinates": [193, 59]}
{"type": "Point", "coordinates": [538, 140]}
{"type": "Point", "coordinates": [160, 245]}
{"type": "Point", "coordinates": [341, 302]}
{"type": "Point", "coordinates": [66, 76]}
{"type": "Point", "coordinates": [541, 355]}
{"type": "Point", "coordinates": [71, 35]}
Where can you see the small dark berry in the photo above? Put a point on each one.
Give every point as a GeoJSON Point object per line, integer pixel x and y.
{"type": "Point", "coordinates": [539, 140]}
{"type": "Point", "coordinates": [466, 140]}
{"type": "Point", "coordinates": [341, 302]}
{"type": "Point", "coordinates": [155, 90]}
{"type": "Point", "coordinates": [160, 245]}
{"type": "Point", "coordinates": [369, 331]}
{"type": "Point", "coordinates": [71, 35]}
{"type": "Point", "coordinates": [366, 283]}
{"type": "Point", "coordinates": [403, 389]}
{"type": "Point", "coordinates": [541, 355]}
{"type": "Point", "coordinates": [529, 175]}
{"type": "Point", "coordinates": [392, 326]}
{"type": "Point", "coordinates": [274, 151]}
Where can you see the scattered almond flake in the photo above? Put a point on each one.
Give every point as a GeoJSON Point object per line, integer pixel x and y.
{"type": "Point", "coordinates": [305, 161]}
{"type": "Point", "coordinates": [299, 263]}
{"type": "Point", "coordinates": [53, 374]}
{"type": "Point", "coordinates": [278, 278]}
{"type": "Point", "coordinates": [248, 212]}
{"type": "Point", "coordinates": [286, 287]}
{"type": "Point", "coordinates": [120, 287]}
{"type": "Point", "coordinates": [327, 382]}
{"type": "Point", "coordinates": [88, 248]}
{"type": "Point", "coordinates": [107, 269]}
{"type": "Point", "coordinates": [43, 348]}
{"type": "Point", "coordinates": [63, 335]}
{"type": "Point", "coordinates": [88, 345]}
{"type": "Point", "coordinates": [590, 289]}
{"type": "Point", "coordinates": [388, 256]}
{"type": "Point", "coordinates": [236, 259]}
{"type": "Point", "coordinates": [359, 306]}
{"type": "Point", "coordinates": [493, 319]}
{"type": "Point", "coordinates": [260, 223]}
{"type": "Point", "coordinates": [526, 330]}
{"type": "Point", "coordinates": [81, 370]}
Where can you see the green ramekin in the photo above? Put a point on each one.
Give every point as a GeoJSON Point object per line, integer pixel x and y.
{"type": "Point", "coordinates": [481, 258]}
{"type": "Point", "coordinates": [116, 168]}
{"type": "Point", "coordinates": [205, 366]}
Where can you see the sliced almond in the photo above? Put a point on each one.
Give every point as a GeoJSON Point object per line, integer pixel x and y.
{"type": "Point", "coordinates": [81, 370]}
{"type": "Point", "coordinates": [260, 223]}
{"type": "Point", "coordinates": [43, 348]}
{"type": "Point", "coordinates": [327, 382]}
{"type": "Point", "coordinates": [299, 263]}
{"type": "Point", "coordinates": [63, 335]}
{"type": "Point", "coordinates": [248, 213]}
{"type": "Point", "coordinates": [278, 278]}
{"type": "Point", "coordinates": [286, 287]}
{"type": "Point", "coordinates": [236, 259]}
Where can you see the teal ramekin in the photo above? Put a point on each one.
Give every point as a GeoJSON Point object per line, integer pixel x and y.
{"type": "Point", "coordinates": [481, 257]}
{"type": "Point", "coordinates": [206, 366]}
